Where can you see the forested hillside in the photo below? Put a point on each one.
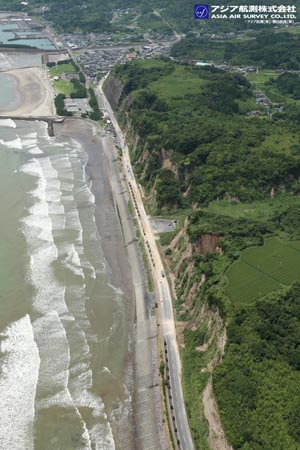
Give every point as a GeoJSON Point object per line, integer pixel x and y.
{"type": "Point", "coordinates": [96, 15]}
{"type": "Point", "coordinates": [198, 118]}
{"type": "Point", "coordinates": [232, 181]}
{"type": "Point", "coordinates": [257, 384]}
{"type": "Point", "coordinates": [266, 50]}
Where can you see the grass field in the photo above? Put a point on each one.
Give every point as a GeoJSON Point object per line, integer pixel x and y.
{"type": "Point", "coordinates": [64, 87]}
{"type": "Point", "coordinates": [259, 210]}
{"type": "Point", "coordinates": [178, 84]}
{"type": "Point", "coordinates": [255, 210]}
{"type": "Point", "coordinates": [261, 270]}
{"type": "Point", "coordinates": [57, 70]}
{"type": "Point", "coordinates": [296, 245]}
{"type": "Point", "coordinates": [262, 76]}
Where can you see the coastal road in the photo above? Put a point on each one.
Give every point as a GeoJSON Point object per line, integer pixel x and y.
{"type": "Point", "coordinates": [162, 289]}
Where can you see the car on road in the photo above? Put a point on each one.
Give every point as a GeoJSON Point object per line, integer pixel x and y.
{"type": "Point", "coordinates": [163, 274]}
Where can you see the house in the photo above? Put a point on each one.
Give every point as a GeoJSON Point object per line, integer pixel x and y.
{"type": "Point", "coordinates": [202, 64]}
{"type": "Point", "coordinates": [254, 113]}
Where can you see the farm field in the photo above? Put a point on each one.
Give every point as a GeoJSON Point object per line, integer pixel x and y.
{"type": "Point", "coordinates": [261, 76]}
{"type": "Point", "coordinates": [261, 270]}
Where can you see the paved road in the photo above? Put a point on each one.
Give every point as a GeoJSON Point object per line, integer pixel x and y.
{"type": "Point", "coordinates": [162, 291]}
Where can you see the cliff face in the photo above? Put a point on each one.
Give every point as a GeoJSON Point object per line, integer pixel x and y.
{"type": "Point", "coordinates": [184, 259]}
{"type": "Point", "coordinates": [181, 257]}
{"type": "Point", "coordinates": [113, 89]}
{"type": "Point", "coordinates": [201, 333]}
{"type": "Point", "coordinates": [208, 244]}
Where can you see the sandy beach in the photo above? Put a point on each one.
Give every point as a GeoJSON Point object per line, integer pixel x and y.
{"type": "Point", "coordinates": [122, 252]}
{"type": "Point", "coordinates": [105, 214]}
{"type": "Point", "coordinates": [112, 242]}
{"type": "Point", "coordinates": [36, 95]}
{"type": "Point", "coordinates": [17, 60]}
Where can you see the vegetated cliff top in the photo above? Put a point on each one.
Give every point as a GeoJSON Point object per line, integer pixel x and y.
{"type": "Point", "coordinates": [201, 145]}
{"type": "Point", "coordinates": [263, 49]}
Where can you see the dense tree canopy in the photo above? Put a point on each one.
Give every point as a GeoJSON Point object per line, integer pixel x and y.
{"type": "Point", "coordinates": [266, 50]}
{"type": "Point", "coordinates": [241, 175]}
{"type": "Point", "coordinates": [198, 115]}
{"type": "Point", "coordinates": [96, 15]}
{"type": "Point", "coordinates": [257, 384]}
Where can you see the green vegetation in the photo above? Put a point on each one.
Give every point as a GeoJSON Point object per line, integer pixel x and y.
{"type": "Point", "coordinates": [288, 83]}
{"type": "Point", "coordinates": [74, 88]}
{"type": "Point", "coordinates": [168, 190]}
{"type": "Point", "coordinates": [268, 50]}
{"type": "Point", "coordinates": [64, 87]}
{"type": "Point", "coordinates": [146, 266]}
{"type": "Point", "coordinates": [95, 115]}
{"type": "Point", "coordinates": [229, 155]}
{"type": "Point", "coordinates": [155, 16]}
{"type": "Point", "coordinates": [257, 384]}
{"type": "Point", "coordinates": [79, 89]}
{"type": "Point", "coordinates": [261, 77]}
{"type": "Point", "coordinates": [236, 179]}
{"type": "Point", "coordinates": [194, 382]}
{"type": "Point", "coordinates": [82, 78]}
{"type": "Point", "coordinates": [59, 69]}
{"type": "Point", "coordinates": [256, 271]}
{"type": "Point", "coordinates": [60, 106]}
{"type": "Point", "coordinates": [261, 270]}
{"type": "Point", "coordinates": [276, 259]}
{"type": "Point", "coordinates": [199, 48]}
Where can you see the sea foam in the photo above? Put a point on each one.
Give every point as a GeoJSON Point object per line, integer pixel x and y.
{"type": "Point", "coordinates": [63, 332]}
{"type": "Point", "coordinates": [54, 374]}
{"type": "Point", "coordinates": [18, 381]}
{"type": "Point", "coordinates": [14, 144]}
{"type": "Point", "coordinates": [7, 123]}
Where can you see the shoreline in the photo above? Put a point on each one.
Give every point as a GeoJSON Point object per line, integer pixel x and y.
{"type": "Point", "coordinates": [35, 93]}
{"type": "Point", "coordinates": [16, 102]}
{"type": "Point", "coordinates": [138, 366]}
{"type": "Point", "coordinates": [112, 242]}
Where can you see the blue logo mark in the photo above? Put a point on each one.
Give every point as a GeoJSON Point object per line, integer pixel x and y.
{"type": "Point", "coordinates": [201, 11]}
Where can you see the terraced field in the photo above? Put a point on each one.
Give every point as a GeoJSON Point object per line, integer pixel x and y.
{"type": "Point", "coordinates": [261, 270]}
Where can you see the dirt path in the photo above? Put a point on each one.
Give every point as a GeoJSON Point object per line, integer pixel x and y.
{"type": "Point", "coordinates": [216, 438]}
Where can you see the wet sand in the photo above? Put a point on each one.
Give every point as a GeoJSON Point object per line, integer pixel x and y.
{"type": "Point", "coordinates": [36, 95]}
{"type": "Point", "coordinates": [109, 229]}
{"type": "Point", "coordinates": [105, 214]}
{"type": "Point", "coordinates": [17, 60]}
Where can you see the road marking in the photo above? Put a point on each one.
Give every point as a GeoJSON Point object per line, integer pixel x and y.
{"type": "Point", "coordinates": [145, 435]}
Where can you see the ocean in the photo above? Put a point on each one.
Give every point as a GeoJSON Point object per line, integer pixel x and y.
{"type": "Point", "coordinates": [63, 326]}
{"type": "Point", "coordinates": [9, 97]}
{"type": "Point", "coordinates": [8, 36]}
